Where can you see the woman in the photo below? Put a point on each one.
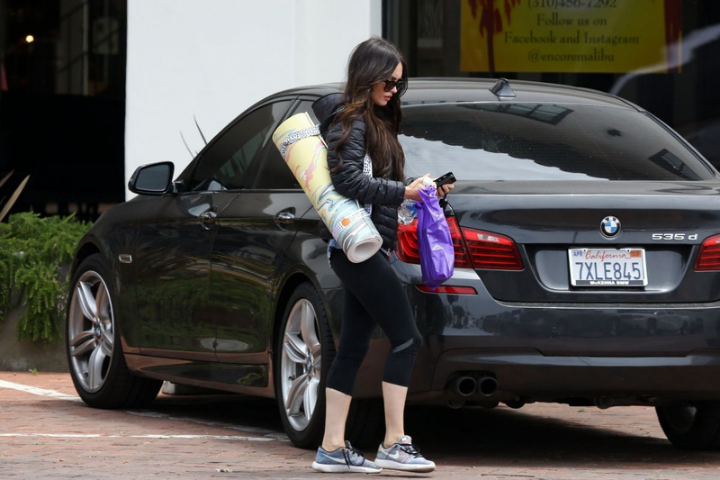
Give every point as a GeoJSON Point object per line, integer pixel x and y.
{"type": "Point", "coordinates": [366, 163]}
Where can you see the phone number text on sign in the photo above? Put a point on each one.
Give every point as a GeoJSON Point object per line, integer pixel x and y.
{"type": "Point", "coordinates": [571, 4]}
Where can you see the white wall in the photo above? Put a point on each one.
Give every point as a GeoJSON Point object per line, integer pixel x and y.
{"type": "Point", "coordinates": [211, 59]}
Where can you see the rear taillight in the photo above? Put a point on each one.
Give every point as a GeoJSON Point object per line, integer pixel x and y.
{"type": "Point", "coordinates": [709, 256]}
{"type": "Point", "coordinates": [484, 249]}
{"type": "Point", "coordinates": [461, 257]}
{"type": "Point", "coordinates": [407, 248]}
{"type": "Point", "coordinates": [491, 250]}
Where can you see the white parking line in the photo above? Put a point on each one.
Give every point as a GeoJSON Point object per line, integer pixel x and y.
{"type": "Point", "coordinates": [267, 435]}
{"type": "Point", "coordinates": [38, 391]}
{"type": "Point", "coordinates": [232, 426]}
{"type": "Point", "coordinates": [150, 436]}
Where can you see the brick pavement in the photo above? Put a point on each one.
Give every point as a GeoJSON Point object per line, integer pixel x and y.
{"type": "Point", "coordinates": [227, 437]}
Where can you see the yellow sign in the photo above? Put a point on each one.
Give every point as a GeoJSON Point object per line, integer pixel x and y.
{"type": "Point", "coordinates": [569, 35]}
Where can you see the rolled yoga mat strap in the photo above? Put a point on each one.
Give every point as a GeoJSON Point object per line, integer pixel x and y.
{"type": "Point", "coordinates": [305, 153]}
{"type": "Point", "coordinates": [299, 135]}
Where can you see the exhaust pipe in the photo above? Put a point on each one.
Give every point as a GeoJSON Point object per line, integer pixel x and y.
{"type": "Point", "coordinates": [464, 386]}
{"type": "Point", "coordinates": [487, 386]}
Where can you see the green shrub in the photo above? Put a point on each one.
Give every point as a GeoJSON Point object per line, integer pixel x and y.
{"type": "Point", "coordinates": [35, 254]}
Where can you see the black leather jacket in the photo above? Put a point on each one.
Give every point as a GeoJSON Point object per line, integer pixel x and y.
{"type": "Point", "coordinates": [384, 194]}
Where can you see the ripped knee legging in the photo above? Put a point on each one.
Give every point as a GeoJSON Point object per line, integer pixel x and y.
{"type": "Point", "coordinates": [373, 296]}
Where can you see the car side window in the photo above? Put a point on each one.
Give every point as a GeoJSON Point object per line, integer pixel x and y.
{"type": "Point", "coordinates": [306, 106]}
{"type": "Point", "coordinates": [274, 173]}
{"type": "Point", "coordinates": [226, 163]}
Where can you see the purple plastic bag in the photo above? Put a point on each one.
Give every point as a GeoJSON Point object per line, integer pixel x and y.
{"type": "Point", "coordinates": [437, 254]}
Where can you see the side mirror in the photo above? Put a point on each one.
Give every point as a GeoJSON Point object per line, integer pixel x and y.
{"type": "Point", "coordinates": [153, 179]}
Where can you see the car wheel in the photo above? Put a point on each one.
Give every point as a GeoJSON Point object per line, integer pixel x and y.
{"type": "Point", "coordinates": [691, 425]}
{"type": "Point", "coordinates": [303, 355]}
{"type": "Point", "coordinates": [94, 350]}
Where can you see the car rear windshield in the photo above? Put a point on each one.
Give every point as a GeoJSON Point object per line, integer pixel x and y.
{"type": "Point", "coordinates": [523, 141]}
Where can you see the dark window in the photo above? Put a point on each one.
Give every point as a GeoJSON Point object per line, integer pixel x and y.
{"type": "Point", "coordinates": [274, 172]}
{"type": "Point", "coordinates": [685, 95]}
{"type": "Point", "coordinates": [306, 106]}
{"type": "Point", "coordinates": [226, 164]}
{"type": "Point", "coordinates": [514, 141]}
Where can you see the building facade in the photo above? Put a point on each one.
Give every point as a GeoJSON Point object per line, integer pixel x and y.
{"type": "Point", "coordinates": [91, 89]}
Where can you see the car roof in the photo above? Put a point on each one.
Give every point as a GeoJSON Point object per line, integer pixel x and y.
{"type": "Point", "coordinates": [456, 90]}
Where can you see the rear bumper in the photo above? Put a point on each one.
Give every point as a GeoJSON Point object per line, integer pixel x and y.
{"type": "Point", "coordinates": [635, 353]}
{"type": "Point", "coordinates": [630, 380]}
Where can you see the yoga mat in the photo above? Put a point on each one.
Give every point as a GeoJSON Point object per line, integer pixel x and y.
{"type": "Point", "coordinates": [305, 153]}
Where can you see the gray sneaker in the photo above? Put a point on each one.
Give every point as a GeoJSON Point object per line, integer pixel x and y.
{"type": "Point", "coordinates": [343, 460]}
{"type": "Point", "coordinates": [403, 455]}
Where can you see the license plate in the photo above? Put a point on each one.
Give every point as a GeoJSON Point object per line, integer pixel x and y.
{"type": "Point", "coordinates": [607, 267]}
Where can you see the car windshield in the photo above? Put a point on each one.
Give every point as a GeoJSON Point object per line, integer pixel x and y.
{"type": "Point", "coordinates": [522, 141]}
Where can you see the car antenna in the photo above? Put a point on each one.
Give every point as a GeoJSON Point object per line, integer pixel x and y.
{"type": "Point", "coordinates": [502, 89]}
{"type": "Point", "coordinates": [192, 155]}
{"type": "Point", "coordinates": [198, 127]}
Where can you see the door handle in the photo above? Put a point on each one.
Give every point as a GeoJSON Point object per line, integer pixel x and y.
{"type": "Point", "coordinates": [208, 219]}
{"type": "Point", "coordinates": [285, 217]}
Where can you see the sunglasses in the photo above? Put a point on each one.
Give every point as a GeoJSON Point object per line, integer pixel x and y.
{"type": "Point", "coordinates": [390, 84]}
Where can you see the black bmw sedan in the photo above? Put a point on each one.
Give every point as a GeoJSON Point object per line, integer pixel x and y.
{"type": "Point", "coordinates": [587, 267]}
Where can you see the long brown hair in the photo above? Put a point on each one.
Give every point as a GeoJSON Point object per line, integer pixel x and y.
{"type": "Point", "coordinates": [373, 61]}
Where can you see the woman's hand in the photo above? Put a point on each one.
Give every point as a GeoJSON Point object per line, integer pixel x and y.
{"type": "Point", "coordinates": [444, 189]}
{"type": "Point", "coordinates": [412, 191]}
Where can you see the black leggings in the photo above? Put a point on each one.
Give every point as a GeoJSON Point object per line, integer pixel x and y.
{"type": "Point", "coordinates": [373, 296]}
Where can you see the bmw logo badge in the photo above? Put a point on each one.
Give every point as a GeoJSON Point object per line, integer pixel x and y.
{"type": "Point", "coordinates": [610, 226]}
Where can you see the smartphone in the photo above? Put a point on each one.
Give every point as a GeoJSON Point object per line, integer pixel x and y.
{"type": "Point", "coordinates": [445, 179]}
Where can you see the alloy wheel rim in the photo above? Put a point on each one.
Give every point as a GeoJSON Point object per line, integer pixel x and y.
{"type": "Point", "coordinates": [91, 331]}
{"type": "Point", "coordinates": [300, 365]}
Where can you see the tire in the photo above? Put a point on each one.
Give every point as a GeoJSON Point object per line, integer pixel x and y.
{"type": "Point", "coordinates": [691, 425]}
{"type": "Point", "coordinates": [303, 355]}
{"type": "Point", "coordinates": [94, 350]}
